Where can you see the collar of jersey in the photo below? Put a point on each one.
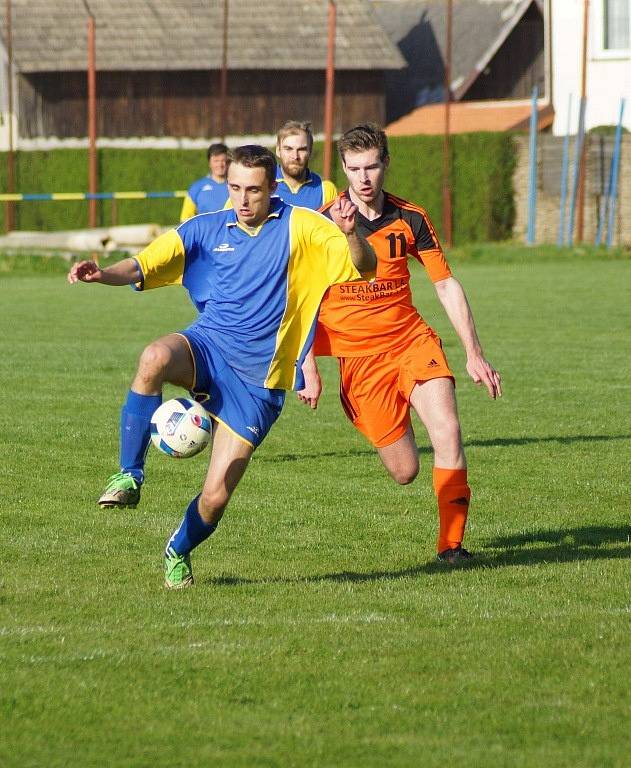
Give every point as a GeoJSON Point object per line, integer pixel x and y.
{"type": "Point", "coordinates": [373, 224]}
{"type": "Point", "coordinates": [276, 205]}
{"type": "Point", "coordinates": [282, 180]}
{"type": "Point", "coordinates": [214, 181]}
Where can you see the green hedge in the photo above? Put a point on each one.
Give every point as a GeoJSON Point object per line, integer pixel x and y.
{"type": "Point", "coordinates": [119, 170]}
{"type": "Point", "coordinates": [483, 164]}
{"type": "Point", "coordinates": [482, 181]}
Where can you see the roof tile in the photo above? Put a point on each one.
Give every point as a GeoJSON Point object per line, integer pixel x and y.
{"type": "Point", "coordinates": [51, 35]}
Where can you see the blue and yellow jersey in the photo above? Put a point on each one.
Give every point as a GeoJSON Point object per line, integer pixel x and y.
{"type": "Point", "coordinates": [313, 192]}
{"type": "Point", "coordinates": [204, 196]}
{"type": "Point", "coordinates": [258, 291]}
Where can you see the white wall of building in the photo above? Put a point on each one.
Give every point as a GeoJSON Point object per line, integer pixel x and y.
{"type": "Point", "coordinates": [608, 71]}
{"type": "Point", "coordinates": [4, 101]}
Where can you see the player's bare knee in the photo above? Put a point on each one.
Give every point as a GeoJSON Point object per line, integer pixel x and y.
{"type": "Point", "coordinates": [404, 475]}
{"type": "Point", "coordinates": [153, 363]}
{"type": "Point", "coordinates": [211, 504]}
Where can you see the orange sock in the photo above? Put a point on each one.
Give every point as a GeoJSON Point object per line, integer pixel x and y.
{"type": "Point", "coordinates": [453, 493]}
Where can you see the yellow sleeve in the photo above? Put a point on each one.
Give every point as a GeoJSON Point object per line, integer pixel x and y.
{"type": "Point", "coordinates": [324, 238]}
{"type": "Point", "coordinates": [162, 262]}
{"type": "Point", "coordinates": [318, 257]}
{"type": "Point", "coordinates": [329, 192]}
{"type": "Point", "coordinates": [189, 209]}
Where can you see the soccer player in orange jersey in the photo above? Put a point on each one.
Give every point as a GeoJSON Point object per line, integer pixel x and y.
{"type": "Point", "coordinates": [390, 359]}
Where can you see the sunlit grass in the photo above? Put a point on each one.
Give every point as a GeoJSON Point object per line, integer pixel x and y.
{"type": "Point", "coordinates": [320, 631]}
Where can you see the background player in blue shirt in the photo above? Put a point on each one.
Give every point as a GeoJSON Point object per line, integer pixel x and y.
{"type": "Point", "coordinates": [210, 193]}
{"type": "Point", "coordinates": [257, 273]}
{"type": "Point", "coordinates": [297, 184]}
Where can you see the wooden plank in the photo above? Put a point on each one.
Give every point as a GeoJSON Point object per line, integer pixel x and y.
{"type": "Point", "coordinates": [186, 104]}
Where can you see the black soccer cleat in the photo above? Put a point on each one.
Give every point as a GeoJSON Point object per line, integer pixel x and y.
{"type": "Point", "coordinates": [455, 556]}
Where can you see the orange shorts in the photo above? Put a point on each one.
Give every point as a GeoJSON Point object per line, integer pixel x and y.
{"type": "Point", "coordinates": [375, 391]}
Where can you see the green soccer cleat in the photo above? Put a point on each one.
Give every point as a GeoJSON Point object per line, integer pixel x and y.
{"type": "Point", "coordinates": [177, 570]}
{"type": "Point", "coordinates": [122, 491]}
{"type": "Point", "coordinates": [456, 556]}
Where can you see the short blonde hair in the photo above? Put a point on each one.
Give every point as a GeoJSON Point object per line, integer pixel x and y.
{"type": "Point", "coordinates": [293, 127]}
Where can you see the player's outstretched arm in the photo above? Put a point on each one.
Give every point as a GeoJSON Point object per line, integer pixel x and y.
{"type": "Point", "coordinates": [343, 214]}
{"type": "Point", "coordinates": [312, 390]}
{"type": "Point", "coordinates": [454, 300]}
{"type": "Point", "coordinates": [123, 272]}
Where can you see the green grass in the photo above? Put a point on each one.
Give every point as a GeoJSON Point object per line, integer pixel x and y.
{"type": "Point", "coordinates": [320, 632]}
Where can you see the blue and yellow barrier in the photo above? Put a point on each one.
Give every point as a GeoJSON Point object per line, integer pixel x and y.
{"type": "Point", "coordinates": [38, 196]}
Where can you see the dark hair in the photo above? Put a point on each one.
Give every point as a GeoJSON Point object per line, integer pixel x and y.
{"type": "Point", "coordinates": [255, 156]}
{"type": "Point", "coordinates": [294, 127]}
{"type": "Point", "coordinates": [216, 149]}
{"type": "Point", "coordinates": [362, 137]}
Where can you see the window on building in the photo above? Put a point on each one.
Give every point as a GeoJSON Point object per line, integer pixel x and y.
{"type": "Point", "coordinates": [617, 25]}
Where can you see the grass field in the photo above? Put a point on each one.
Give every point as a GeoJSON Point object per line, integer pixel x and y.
{"type": "Point", "coordinates": [320, 631]}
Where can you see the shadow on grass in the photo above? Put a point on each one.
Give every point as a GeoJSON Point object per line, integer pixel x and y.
{"type": "Point", "coordinates": [590, 536]}
{"type": "Point", "coordinates": [494, 442]}
{"type": "Point", "coordinates": [567, 546]}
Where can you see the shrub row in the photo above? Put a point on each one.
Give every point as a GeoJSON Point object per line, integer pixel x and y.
{"type": "Point", "coordinates": [482, 194]}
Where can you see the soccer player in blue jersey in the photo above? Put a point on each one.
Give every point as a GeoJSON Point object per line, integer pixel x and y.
{"type": "Point", "coordinates": [257, 273]}
{"type": "Point", "coordinates": [297, 184]}
{"type": "Point", "coordinates": [210, 193]}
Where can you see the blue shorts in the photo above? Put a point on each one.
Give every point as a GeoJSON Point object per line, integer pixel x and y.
{"type": "Point", "coordinates": [246, 410]}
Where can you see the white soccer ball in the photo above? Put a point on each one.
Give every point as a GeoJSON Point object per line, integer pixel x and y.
{"type": "Point", "coordinates": [180, 428]}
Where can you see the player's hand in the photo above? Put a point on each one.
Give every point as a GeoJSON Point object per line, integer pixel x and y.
{"type": "Point", "coordinates": [343, 214]}
{"type": "Point", "coordinates": [312, 390]}
{"type": "Point", "coordinates": [86, 272]}
{"type": "Point", "coordinates": [310, 394]}
{"type": "Point", "coordinates": [482, 372]}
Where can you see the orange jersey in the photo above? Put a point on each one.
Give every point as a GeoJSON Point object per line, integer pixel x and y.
{"type": "Point", "coordinates": [367, 317]}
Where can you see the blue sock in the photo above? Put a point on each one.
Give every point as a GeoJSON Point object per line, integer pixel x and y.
{"type": "Point", "coordinates": [192, 531]}
{"type": "Point", "coordinates": [135, 432]}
